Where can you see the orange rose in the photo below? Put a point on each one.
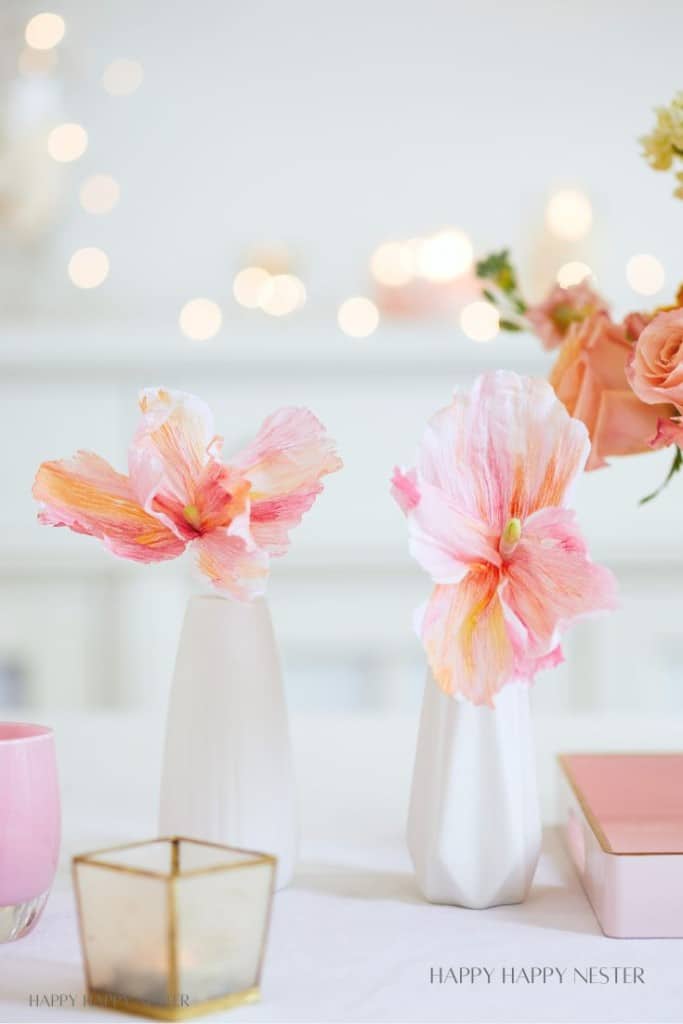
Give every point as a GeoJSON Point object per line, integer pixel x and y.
{"type": "Point", "coordinates": [656, 371]}
{"type": "Point", "coordinates": [589, 377]}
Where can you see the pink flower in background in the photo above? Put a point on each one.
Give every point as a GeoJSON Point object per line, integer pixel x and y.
{"type": "Point", "coordinates": [552, 318]}
{"type": "Point", "coordinates": [486, 506]}
{"type": "Point", "coordinates": [668, 432]}
{"type": "Point", "coordinates": [589, 377]}
{"type": "Point", "coordinates": [634, 324]}
{"type": "Point", "coordinates": [178, 492]}
{"type": "Point", "coordinates": [656, 369]}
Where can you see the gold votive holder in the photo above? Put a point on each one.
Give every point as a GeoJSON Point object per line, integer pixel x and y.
{"type": "Point", "coordinates": [173, 928]}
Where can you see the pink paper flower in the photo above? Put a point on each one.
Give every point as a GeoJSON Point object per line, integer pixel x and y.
{"type": "Point", "coordinates": [487, 514]}
{"type": "Point", "coordinates": [178, 492]}
{"type": "Point", "coordinates": [552, 318]}
{"type": "Point", "coordinates": [656, 369]}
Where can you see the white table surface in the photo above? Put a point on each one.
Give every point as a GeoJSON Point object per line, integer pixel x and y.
{"type": "Point", "coordinates": [351, 940]}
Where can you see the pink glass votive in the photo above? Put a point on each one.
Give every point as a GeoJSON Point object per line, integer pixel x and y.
{"type": "Point", "coordinates": [29, 825]}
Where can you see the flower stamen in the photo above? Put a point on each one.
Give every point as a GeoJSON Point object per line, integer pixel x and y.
{"type": "Point", "coordinates": [509, 538]}
{"type": "Point", "coordinates": [192, 516]}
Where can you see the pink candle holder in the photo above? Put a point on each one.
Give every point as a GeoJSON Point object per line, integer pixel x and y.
{"type": "Point", "coordinates": [29, 825]}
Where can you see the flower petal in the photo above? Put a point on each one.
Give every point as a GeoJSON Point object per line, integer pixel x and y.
{"type": "Point", "coordinates": [551, 580]}
{"type": "Point", "coordinates": [90, 497]}
{"type": "Point", "coordinates": [507, 449]}
{"type": "Point", "coordinates": [445, 541]}
{"type": "Point", "coordinates": [669, 431]}
{"type": "Point", "coordinates": [404, 489]}
{"type": "Point", "coordinates": [466, 638]}
{"type": "Point", "coordinates": [170, 449]}
{"type": "Point", "coordinates": [627, 426]}
{"type": "Point", "coordinates": [284, 465]}
{"type": "Point", "coordinates": [233, 564]}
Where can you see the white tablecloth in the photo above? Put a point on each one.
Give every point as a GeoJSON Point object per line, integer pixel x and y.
{"type": "Point", "coordinates": [351, 939]}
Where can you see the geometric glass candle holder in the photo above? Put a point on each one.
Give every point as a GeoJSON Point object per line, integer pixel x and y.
{"type": "Point", "coordinates": [173, 928]}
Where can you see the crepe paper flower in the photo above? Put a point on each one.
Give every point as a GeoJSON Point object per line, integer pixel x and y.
{"type": "Point", "coordinates": [590, 378]}
{"type": "Point", "coordinates": [487, 515]}
{"type": "Point", "coordinates": [551, 319]}
{"type": "Point", "coordinates": [178, 492]}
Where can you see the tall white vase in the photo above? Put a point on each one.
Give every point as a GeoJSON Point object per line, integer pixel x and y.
{"type": "Point", "coordinates": [227, 774]}
{"type": "Point", "coordinates": [474, 831]}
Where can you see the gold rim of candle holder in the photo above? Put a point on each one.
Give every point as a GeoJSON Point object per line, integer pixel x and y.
{"type": "Point", "coordinates": [104, 1000]}
{"type": "Point", "coordinates": [171, 1010]}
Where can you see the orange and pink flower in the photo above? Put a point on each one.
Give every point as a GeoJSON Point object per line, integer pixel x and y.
{"type": "Point", "coordinates": [590, 378]}
{"type": "Point", "coordinates": [656, 369]}
{"type": "Point", "coordinates": [562, 307]}
{"type": "Point", "coordinates": [178, 492]}
{"type": "Point", "coordinates": [488, 520]}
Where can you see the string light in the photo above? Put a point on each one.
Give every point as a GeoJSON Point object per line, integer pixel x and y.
{"type": "Point", "coordinates": [122, 77]}
{"type": "Point", "coordinates": [99, 194]}
{"type": "Point", "coordinates": [569, 214]}
{"type": "Point", "coordinates": [281, 294]}
{"type": "Point", "coordinates": [44, 31]}
{"type": "Point", "coordinates": [479, 320]}
{"type": "Point", "coordinates": [358, 317]}
{"type": "Point", "coordinates": [392, 264]}
{"type": "Point", "coordinates": [89, 267]}
{"type": "Point", "coordinates": [573, 273]}
{"type": "Point", "coordinates": [200, 319]}
{"type": "Point", "coordinates": [248, 286]}
{"type": "Point", "coordinates": [445, 255]}
{"type": "Point", "coordinates": [67, 142]}
{"type": "Point", "coordinates": [645, 274]}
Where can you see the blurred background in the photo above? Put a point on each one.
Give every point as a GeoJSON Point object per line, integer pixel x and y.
{"type": "Point", "coordinates": [268, 204]}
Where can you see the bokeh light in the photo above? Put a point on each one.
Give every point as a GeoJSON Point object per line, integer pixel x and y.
{"type": "Point", "coordinates": [573, 273]}
{"type": "Point", "coordinates": [392, 264]}
{"type": "Point", "coordinates": [67, 142]}
{"type": "Point", "coordinates": [88, 267]}
{"type": "Point", "coordinates": [200, 319]}
{"type": "Point", "coordinates": [248, 286]}
{"type": "Point", "coordinates": [358, 317]}
{"type": "Point", "coordinates": [99, 194]}
{"type": "Point", "coordinates": [44, 31]}
{"type": "Point", "coordinates": [569, 214]}
{"type": "Point", "coordinates": [479, 321]}
{"type": "Point", "coordinates": [445, 255]}
{"type": "Point", "coordinates": [645, 274]}
{"type": "Point", "coordinates": [282, 294]}
{"type": "Point", "coordinates": [122, 77]}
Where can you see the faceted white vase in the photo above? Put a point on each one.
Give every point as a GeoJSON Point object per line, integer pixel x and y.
{"type": "Point", "coordinates": [227, 773]}
{"type": "Point", "coordinates": [474, 830]}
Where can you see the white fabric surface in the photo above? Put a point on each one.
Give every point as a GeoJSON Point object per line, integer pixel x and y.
{"type": "Point", "coordinates": [351, 940]}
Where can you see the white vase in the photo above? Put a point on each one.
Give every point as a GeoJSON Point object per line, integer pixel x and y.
{"type": "Point", "coordinates": [474, 831]}
{"type": "Point", "coordinates": [227, 773]}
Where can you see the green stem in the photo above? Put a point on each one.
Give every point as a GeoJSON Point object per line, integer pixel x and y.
{"type": "Point", "coordinates": [676, 465]}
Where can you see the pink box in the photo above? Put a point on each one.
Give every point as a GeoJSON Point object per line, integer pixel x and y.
{"type": "Point", "coordinates": [624, 826]}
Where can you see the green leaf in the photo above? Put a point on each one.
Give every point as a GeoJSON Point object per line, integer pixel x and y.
{"type": "Point", "coordinates": [510, 325]}
{"type": "Point", "coordinates": [489, 295]}
{"type": "Point", "coordinates": [493, 264]}
{"type": "Point", "coordinates": [676, 465]}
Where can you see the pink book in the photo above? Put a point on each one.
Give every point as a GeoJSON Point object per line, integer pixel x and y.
{"type": "Point", "coordinates": [624, 824]}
